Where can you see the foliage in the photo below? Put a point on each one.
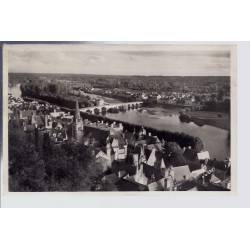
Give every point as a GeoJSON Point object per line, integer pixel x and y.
{"type": "Point", "coordinates": [173, 147]}
{"type": "Point", "coordinates": [26, 167]}
{"type": "Point", "coordinates": [66, 167]}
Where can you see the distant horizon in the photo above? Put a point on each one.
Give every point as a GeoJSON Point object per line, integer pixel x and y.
{"type": "Point", "coordinates": [42, 73]}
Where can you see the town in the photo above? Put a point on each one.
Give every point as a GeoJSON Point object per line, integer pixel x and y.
{"type": "Point", "coordinates": [79, 150]}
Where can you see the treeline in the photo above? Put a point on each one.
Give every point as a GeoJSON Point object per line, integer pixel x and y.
{"type": "Point", "coordinates": [50, 94]}
{"type": "Point", "coordinates": [184, 140]}
{"type": "Point", "coordinates": [217, 106]}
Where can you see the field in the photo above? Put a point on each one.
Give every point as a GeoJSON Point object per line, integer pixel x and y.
{"type": "Point", "coordinates": [216, 119]}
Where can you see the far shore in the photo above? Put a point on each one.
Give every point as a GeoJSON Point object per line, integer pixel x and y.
{"type": "Point", "coordinates": [215, 119]}
{"type": "Point", "coordinates": [200, 118]}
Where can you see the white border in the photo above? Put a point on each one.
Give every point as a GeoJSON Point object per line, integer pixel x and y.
{"type": "Point", "coordinates": [79, 198]}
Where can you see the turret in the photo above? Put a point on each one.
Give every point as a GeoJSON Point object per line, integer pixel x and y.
{"type": "Point", "coordinates": [77, 112]}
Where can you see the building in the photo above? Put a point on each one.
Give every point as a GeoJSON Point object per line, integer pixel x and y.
{"type": "Point", "coordinates": [78, 124]}
{"type": "Point", "coordinates": [203, 155]}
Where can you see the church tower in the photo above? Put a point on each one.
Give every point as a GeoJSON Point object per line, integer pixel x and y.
{"type": "Point", "coordinates": [78, 124]}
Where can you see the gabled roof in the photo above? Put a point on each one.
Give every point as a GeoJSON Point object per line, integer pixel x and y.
{"type": "Point", "coordinates": [152, 158]}
{"type": "Point", "coordinates": [101, 154]}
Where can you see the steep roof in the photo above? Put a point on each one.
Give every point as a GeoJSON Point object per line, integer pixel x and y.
{"type": "Point", "coordinates": [101, 154]}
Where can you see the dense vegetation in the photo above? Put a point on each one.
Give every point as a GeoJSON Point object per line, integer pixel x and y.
{"type": "Point", "coordinates": [50, 93]}
{"type": "Point", "coordinates": [137, 83]}
{"type": "Point", "coordinates": [43, 166]}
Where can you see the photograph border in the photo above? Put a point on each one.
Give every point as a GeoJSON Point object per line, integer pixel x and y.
{"type": "Point", "coordinates": [23, 195]}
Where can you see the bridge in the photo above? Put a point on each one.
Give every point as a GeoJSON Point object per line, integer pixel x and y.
{"type": "Point", "coordinates": [107, 107]}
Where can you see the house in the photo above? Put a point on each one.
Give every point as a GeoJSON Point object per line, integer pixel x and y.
{"type": "Point", "coordinates": [59, 135]}
{"type": "Point", "coordinates": [119, 145]}
{"type": "Point", "coordinates": [104, 160]}
{"type": "Point", "coordinates": [181, 173]}
{"type": "Point", "coordinates": [140, 176]}
{"type": "Point", "coordinates": [159, 185]}
{"type": "Point", "coordinates": [105, 157]}
{"type": "Point", "coordinates": [26, 114]}
{"type": "Point", "coordinates": [48, 122]}
{"type": "Point", "coordinates": [203, 155]}
{"type": "Point", "coordinates": [169, 179]}
{"type": "Point", "coordinates": [116, 127]}
{"type": "Point", "coordinates": [197, 173]}
{"type": "Point", "coordinates": [56, 114]}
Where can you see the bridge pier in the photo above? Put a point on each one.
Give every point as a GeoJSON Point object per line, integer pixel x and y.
{"type": "Point", "coordinates": [117, 106]}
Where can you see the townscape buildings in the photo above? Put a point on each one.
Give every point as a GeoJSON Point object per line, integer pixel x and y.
{"type": "Point", "coordinates": [135, 161]}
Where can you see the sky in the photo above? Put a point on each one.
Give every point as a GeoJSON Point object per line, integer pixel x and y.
{"type": "Point", "coordinates": [107, 59]}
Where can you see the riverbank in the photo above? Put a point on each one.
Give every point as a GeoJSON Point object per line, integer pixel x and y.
{"type": "Point", "coordinates": [215, 119]}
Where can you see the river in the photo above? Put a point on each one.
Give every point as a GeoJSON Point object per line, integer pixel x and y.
{"type": "Point", "coordinates": [214, 139]}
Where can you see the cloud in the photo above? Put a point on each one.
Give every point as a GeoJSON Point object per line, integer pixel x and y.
{"type": "Point", "coordinates": [118, 61]}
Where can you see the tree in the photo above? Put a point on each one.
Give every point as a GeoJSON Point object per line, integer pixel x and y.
{"type": "Point", "coordinates": [52, 88]}
{"type": "Point", "coordinates": [198, 145]}
{"type": "Point", "coordinates": [26, 168]}
{"type": "Point", "coordinates": [173, 147]}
